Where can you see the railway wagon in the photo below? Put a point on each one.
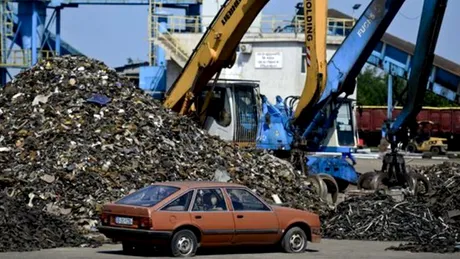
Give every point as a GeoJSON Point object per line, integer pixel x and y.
{"type": "Point", "coordinates": [370, 120]}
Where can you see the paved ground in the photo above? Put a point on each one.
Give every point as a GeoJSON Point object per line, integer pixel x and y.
{"type": "Point", "coordinates": [367, 165]}
{"type": "Point", "coordinates": [326, 249]}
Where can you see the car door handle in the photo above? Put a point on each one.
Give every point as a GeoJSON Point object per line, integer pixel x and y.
{"type": "Point", "coordinates": [239, 216]}
{"type": "Point", "coordinates": [198, 217]}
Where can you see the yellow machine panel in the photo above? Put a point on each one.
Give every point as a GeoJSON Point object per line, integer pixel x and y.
{"type": "Point", "coordinates": [315, 15]}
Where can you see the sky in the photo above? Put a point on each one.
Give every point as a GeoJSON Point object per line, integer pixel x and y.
{"type": "Point", "coordinates": [115, 33]}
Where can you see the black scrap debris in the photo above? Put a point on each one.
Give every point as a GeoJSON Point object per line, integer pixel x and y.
{"type": "Point", "coordinates": [27, 229]}
{"type": "Point", "coordinates": [425, 223]}
{"type": "Point", "coordinates": [67, 157]}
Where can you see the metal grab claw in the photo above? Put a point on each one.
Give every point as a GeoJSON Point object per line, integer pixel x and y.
{"type": "Point", "coordinates": [332, 187]}
{"type": "Point", "coordinates": [323, 185]}
{"type": "Point", "coordinates": [394, 175]}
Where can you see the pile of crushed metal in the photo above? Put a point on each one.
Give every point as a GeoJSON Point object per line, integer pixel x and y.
{"type": "Point", "coordinates": [74, 135]}
{"type": "Point", "coordinates": [26, 229]}
{"type": "Point", "coordinates": [428, 224]}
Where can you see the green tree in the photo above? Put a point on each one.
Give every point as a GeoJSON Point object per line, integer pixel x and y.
{"type": "Point", "coordinates": [372, 87]}
{"type": "Point", "coordinates": [372, 90]}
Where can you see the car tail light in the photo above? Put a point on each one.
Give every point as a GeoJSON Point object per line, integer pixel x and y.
{"type": "Point", "coordinates": [145, 223]}
{"type": "Point", "coordinates": [105, 219]}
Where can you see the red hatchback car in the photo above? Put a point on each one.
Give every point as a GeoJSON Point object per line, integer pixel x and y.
{"type": "Point", "coordinates": [181, 216]}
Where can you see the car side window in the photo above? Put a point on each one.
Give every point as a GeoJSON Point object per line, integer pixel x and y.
{"type": "Point", "coordinates": [244, 200]}
{"type": "Point", "coordinates": [180, 204]}
{"type": "Point", "coordinates": [209, 200]}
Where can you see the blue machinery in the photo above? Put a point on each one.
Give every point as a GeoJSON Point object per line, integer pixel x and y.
{"type": "Point", "coordinates": [393, 173]}
{"type": "Point", "coordinates": [313, 125]}
{"type": "Point", "coordinates": [364, 44]}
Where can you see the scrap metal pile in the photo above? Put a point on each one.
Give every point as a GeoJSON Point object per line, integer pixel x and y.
{"type": "Point", "coordinates": [73, 135]}
{"type": "Point", "coordinates": [27, 229]}
{"type": "Point", "coordinates": [429, 223]}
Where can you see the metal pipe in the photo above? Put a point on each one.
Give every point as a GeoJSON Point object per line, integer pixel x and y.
{"type": "Point", "coordinates": [58, 32]}
{"type": "Point", "coordinates": [34, 34]}
{"type": "Point", "coordinates": [390, 97]}
{"type": "Point", "coordinates": [45, 36]}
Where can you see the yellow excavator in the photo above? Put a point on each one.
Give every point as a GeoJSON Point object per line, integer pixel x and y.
{"type": "Point", "coordinates": [217, 50]}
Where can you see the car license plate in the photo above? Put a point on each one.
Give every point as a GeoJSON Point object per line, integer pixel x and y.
{"type": "Point", "coordinates": [123, 221]}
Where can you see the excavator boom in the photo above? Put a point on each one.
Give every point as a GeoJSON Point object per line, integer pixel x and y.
{"type": "Point", "coordinates": [315, 19]}
{"type": "Point", "coordinates": [393, 173]}
{"type": "Point", "coordinates": [215, 50]}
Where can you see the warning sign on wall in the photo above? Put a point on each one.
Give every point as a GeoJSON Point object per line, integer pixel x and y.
{"type": "Point", "coordinates": [269, 60]}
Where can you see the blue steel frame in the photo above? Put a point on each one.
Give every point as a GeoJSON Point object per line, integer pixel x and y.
{"type": "Point", "coordinates": [430, 25]}
{"type": "Point", "coordinates": [30, 20]}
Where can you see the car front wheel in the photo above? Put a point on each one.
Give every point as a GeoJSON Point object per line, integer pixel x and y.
{"type": "Point", "coordinates": [294, 241]}
{"type": "Point", "coordinates": [184, 243]}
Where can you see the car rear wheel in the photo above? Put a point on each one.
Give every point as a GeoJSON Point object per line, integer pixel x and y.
{"type": "Point", "coordinates": [435, 150]}
{"type": "Point", "coordinates": [294, 241]}
{"type": "Point", "coordinates": [184, 243]}
{"type": "Point", "coordinates": [411, 148]}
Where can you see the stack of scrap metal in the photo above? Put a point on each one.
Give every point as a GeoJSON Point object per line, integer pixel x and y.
{"type": "Point", "coordinates": [74, 135]}
{"type": "Point", "coordinates": [429, 223]}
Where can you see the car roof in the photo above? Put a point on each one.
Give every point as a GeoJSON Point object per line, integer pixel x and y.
{"type": "Point", "coordinates": [198, 184]}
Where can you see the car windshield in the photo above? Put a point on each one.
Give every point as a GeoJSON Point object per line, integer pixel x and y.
{"type": "Point", "coordinates": [148, 196]}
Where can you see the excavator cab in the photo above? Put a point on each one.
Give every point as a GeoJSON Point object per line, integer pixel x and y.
{"type": "Point", "coordinates": [425, 142]}
{"type": "Point", "coordinates": [346, 124]}
{"type": "Point", "coordinates": [232, 113]}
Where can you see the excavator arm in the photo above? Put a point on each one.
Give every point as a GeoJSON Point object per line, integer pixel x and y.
{"type": "Point", "coordinates": [315, 19]}
{"type": "Point", "coordinates": [430, 25]}
{"type": "Point", "coordinates": [393, 173]}
{"type": "Point", "coordinates": [217, 50]}
{"type": "Point", "coordinates": [311, 122]}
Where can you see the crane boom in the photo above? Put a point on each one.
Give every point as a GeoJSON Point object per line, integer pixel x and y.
{"type": "Point", "coordinates": [315, 41]}
{"type": "Point", "coordinates": [348, 60]}
{"type": "Point", "coordinates": [427, 38]}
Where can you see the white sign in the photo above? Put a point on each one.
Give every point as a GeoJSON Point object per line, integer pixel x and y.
{"type": "Point", "coordinates": [269, 60]}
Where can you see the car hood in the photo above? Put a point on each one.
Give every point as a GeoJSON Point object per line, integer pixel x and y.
{"type": "Point", "coordinates": [288, 215]}
{"type": "Point", "coordinates": [437, 139]}
{"type": "Point", "coordinates": [281, 209]}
